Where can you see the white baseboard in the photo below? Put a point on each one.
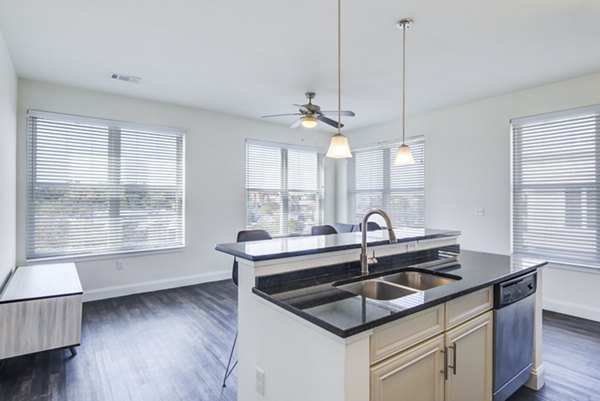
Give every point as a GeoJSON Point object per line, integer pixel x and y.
{"type": "Point", "coordinates": [573, 309]}
{"type": "Point", "coordinates": [156, 285]}
{"type": "Point", "coordinates": [537, 378]}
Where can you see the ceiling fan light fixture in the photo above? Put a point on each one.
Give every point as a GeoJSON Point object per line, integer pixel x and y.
{"type": "Point", "coordinates": [404, 156]}
{"type": "Point", "coordinates": [309, 122]}
{"type": "Point", "coordinates": [339, 147]}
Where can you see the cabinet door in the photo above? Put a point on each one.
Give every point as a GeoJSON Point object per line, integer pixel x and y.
{"type": "Point", "coordinates": [470, 355]}
{"type": "Point", "coordinates": [415, 374]}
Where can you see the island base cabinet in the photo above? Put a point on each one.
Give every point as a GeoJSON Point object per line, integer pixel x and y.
{"type": "Point", "coordinates": [470, 353]}
{"type": "Point", "coordinates": [453, 366]}
{"type": "Point", "coordinates": [415, 374]}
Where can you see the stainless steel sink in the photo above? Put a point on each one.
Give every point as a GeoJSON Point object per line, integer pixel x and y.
{"type": "Point", "coordinates": [376, 289]}
{"type": "Point", "coordinates": [418, 280]}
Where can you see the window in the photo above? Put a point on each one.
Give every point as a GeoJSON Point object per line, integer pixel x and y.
{"type": "Point", "coordinates": [374, 181]}
{"type": "Point", "coordinates": [100, 187]}
{"type": "Point", "coordinates": [556, 186]}
{"type": "Point", "coordinates": [284, 188]}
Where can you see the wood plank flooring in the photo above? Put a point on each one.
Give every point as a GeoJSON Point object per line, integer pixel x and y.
{"type": "Point", "coordinates": [173, 344]}
{"type": "Point", "coordinates": [571, 354]}
{"type": "Point", "coordinates": [164, 345]}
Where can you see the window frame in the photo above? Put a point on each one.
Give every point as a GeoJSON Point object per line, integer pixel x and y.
{"type": "Point", "coordinates": [284, 189]}
{"type": "Point", "coordinates": [387, 165]}
{"type": "Point", "coordinates": [548, 118]}
{"type": "Point", "coordinates": [114, 129]}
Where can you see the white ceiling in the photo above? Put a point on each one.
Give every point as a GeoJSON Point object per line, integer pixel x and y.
{"type": "Point", "coordinates": [250, 58]}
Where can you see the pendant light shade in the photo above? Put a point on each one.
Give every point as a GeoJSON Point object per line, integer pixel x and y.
{"type": "Point", "coordinates": [339, 148]}
{"type": "Point", "coordinates": [404, 155]}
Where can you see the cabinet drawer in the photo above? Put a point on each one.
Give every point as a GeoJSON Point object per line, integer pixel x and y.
{"type": "Point", "coordinates": [462, 309]}
{"type": "Point", "coordinates": [410, 330]}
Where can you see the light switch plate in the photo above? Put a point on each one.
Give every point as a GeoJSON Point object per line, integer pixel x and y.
{"type": "Point", "coordinates": [260, 381]}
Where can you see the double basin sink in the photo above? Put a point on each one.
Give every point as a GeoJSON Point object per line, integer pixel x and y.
{"type": "Point", "coordinates": [397, 285]}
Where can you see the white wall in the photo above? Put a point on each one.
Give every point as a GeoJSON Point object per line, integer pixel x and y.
{"type": "Point", "coordinates": [468, 165]}
{"type": "Point", "coordinates": [8, 154]}
{"type": "Point", "coordinates": [215, 182]}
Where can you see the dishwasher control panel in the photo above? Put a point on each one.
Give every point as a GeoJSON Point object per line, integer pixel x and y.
{"type": "Point", "coordinates": [514, 290]}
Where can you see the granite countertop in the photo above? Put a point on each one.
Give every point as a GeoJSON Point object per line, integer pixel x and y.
{"type": "Point", "coordinates": [344, 314]}
{"type": "Point", "coordinates": [308, 245]}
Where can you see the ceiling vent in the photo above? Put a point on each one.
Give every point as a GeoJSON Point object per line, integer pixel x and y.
{"type": "Point", "coordinates": [126, 78]}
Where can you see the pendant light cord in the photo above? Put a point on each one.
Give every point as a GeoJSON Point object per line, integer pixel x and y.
{"type": "Point", "coordinates": [403, 83]}
{"type": "Point", "coordinates": [339, 66]}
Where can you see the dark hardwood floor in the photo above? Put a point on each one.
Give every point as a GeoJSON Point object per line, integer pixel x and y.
{"type": "Point", "coordinates": [164, 345]}
{"type": "Point", "coordinates": [571, 354]}
{"type": "Point", "coordinates": [173, 344]}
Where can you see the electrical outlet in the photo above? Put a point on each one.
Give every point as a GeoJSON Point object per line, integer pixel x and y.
{"type": "Point", "coordinates": [260, 381]}
{"type": "Point", "coordinates": [119, 265]}
{"type": "Point", "coordinates": [479, 211]}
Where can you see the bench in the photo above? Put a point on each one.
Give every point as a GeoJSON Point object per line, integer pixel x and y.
{"type": "Point", "coordinates": [40, 310]}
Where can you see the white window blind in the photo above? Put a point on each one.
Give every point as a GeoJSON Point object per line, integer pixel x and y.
{"type": "Point", "coordinates": [284, 188]}
{"type": "Point", "coordinates": [99, 186]}
{"type": "Point", "coordinates": [374, 181]}
{"type": "Point", "coordinates": [556, 186]}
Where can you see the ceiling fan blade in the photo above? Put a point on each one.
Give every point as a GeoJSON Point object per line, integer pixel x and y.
{"type": "Point", "coordinates": [347, 113]}
{"type": "Point", "coordinates": [296, 124]}
{"type": "Point", "coordinates": [281, 115]}
{"type": "Point", "coordinates": [329, 121]}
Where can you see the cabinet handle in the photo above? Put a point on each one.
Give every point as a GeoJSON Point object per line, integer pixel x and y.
{"type": "Point", "coordinates": [453, 366]}
{"type": "Point", "coordinates": [445, 371]}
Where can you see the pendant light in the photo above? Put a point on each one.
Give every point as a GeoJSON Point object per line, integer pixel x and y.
{"type": "Point", "coordinates": [404, 155]}
{"type": "Point", "coordinates": [339, 147]}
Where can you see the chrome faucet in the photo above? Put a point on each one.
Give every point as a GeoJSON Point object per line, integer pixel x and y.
{"type": "Point", "coordinates": [364, 259]}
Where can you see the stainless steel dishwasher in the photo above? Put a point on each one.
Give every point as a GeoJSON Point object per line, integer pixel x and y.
{"type": "Point", "coordinates": [514, 315]}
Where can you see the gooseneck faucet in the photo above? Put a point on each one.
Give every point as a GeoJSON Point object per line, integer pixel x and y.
{"type": "Point", "coordinates": [364, 259]}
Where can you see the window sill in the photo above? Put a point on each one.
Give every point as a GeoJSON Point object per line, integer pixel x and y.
{"type": "Point", "coordinates": [107, 256]}
{"type": "Point", "coordinates": [580, 269]}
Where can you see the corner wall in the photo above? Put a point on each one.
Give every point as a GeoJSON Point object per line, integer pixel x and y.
{"type": "Point", "coordinates": [8, 154]}
{"type": "Point", "coordinates": [467, 150]}
{"type": "Point", "coordinates": [215, 185]}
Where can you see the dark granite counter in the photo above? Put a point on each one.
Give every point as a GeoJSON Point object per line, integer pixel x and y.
{"type": "Point", "coordinates": [299, 246]}
{"type": "Point", "coordinates": [316, 299]}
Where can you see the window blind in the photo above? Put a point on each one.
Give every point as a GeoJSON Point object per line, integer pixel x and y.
{"type": "Point", "coordinates": [99, 186]}
{"type": "Point", "coordinates": [374, 181]}
{"type": "Point", "coordinates": [556, 186]}
{"type": "Point", "coordinates": [284, 188]}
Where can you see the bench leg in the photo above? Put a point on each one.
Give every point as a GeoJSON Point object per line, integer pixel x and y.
{"type": "Point", "coordinates": [73, 351]}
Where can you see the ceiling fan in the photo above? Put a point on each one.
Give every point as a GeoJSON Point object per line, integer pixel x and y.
{"type": "Point", "coordinates": [311, 114]}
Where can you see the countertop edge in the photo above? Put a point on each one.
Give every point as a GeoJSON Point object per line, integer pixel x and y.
{"type": "Point", "coordinates": [258, 258]}
{"type": "Point", "coordinates": [395, 316]}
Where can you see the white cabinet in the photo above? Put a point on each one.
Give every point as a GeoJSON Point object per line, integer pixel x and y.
{"type": "Point", "coordinates": [470, 360]}
{"type": "Point", "coordinates": [413, 375]}
{"type": "Point", "coordinates": [455, 365]}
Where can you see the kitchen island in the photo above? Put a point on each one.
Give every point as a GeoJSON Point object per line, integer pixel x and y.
{"type": "Point", "coordinates": [304, 335]}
